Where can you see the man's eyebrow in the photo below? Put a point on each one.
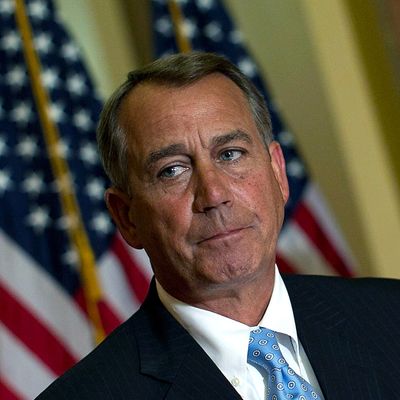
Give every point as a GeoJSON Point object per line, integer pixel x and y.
{"type": "Point", "coordinates": [238, 134]}
{"type": "Point", "coordinates": [172, 150]}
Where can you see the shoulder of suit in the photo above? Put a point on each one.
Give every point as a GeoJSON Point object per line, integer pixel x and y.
{"type": "Point", "coordinates": [350, 294]}
{"type": "Point", "coordinates": [362, 283]}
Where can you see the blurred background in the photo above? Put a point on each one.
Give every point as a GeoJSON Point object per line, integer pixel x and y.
{"type": "Point", "coordinates": [330, 73]}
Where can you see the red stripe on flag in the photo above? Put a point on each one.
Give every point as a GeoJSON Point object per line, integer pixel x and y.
{"type": "Point", "coordinates": [137, 280]}
{"type": "Point", "coordinates": [108, 318]}
{"type": "Point", "coordinates": [34, 334]}
{"type": "Point", "coordinates": [6, 393]}
{"type": "Point", "coordinates": [305, 219]}
{"type": "Point", "coordinates": [284, 266]}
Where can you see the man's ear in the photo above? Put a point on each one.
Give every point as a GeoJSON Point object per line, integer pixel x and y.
{"type": "Point", "coordinates": [279, 168]}
{"type": "Point", "coordinates": [119, 205]}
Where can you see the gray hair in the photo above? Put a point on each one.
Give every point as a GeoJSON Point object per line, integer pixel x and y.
{"type": "Point", "coordinates": [177, 70]}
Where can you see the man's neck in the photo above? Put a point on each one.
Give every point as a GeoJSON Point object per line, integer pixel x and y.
{"type": "Point", "coordinates": [245, 303]}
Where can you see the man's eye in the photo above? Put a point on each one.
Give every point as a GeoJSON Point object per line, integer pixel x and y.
{"type": "Point", "coordinates": [172, 171]}
{"type": "Point", "coordinates": [231, 155]}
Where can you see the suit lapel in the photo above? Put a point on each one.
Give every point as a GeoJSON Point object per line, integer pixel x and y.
{"type": "Point", "coordinates": [199, 379]}
{"type": "Point", "coordinates": [329, 342]}
{"type": "Point", "coordinates": [171, 355]}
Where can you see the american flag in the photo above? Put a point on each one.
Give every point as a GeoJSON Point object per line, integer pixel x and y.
{"type": "Point", "coordinates": [44, 323]}
{"type": "Point", "coordinates": [310, 241]}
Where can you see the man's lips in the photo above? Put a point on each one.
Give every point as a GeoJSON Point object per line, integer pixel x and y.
{"type": "Point", "coordinates": [220, 235]}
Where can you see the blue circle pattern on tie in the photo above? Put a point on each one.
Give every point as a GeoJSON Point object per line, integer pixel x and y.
{"type": "Point", "coordinates": [283, 382]}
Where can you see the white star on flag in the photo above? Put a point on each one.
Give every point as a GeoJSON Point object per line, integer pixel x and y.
{"type": "Point", "coordinates": [76, 84]}
{"type": "Point", "coordinates": [101, 223]}
{"type": "Point", "coordinates": [205, 5]}
{"type": "Point", "coordinates": [43, 43]}
{"type": "Point", "coordinates": [189, 28]}
{"type": "Point", "coordinates": [56, 112]}
{"type": "Point", "coordinates": [295, 168]}
{"type": "Point", "coordinates": [38, 9]}
{"type": "Point", "coordinates": [38, 219]}
{"type": "Point", "coordinates": [286, 138]}
{"type": "Point", "coordinates": [82, 120]}
{"type": "Point", "coordinates": [27, 147]}
{"type": "Point", "coordinates": [11, 41]}
{"type": "Point", "coordinates": [88, 153]}
{"type": "Point", "coordinates": [7, 7]}
{"type": "Point", "coordinates": [95, 189]}
{"type": "Point", "coordinates": [235, 37]}
{"type": "Point", "coordinates": [22, 113]}
{"type": "Point", "coordinates": [50, 78]}
{"type": "Point", "coordinates": [71, 258]}
{"type": "Point", "coordinates": [164, 26]}
{"type": "Point", "coordinates": [70, 51]}
{"type": "Point", "coordinates": [33, 184]}
{"type": "Point", "coordinates": [213, 31]}
{"type": "Point", "coordinates": [247, 67]}
{"type": "Point", "coordinates": [16, 77]}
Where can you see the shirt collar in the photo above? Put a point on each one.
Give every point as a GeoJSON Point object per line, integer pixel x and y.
{"type": "Point", "coordinates": [227, 334]}
{"type": "Point", "coordinates": [279, 315]}
{"type": "Point", "coordinates": [216, 334]}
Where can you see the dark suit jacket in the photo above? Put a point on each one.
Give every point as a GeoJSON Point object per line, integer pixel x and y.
{"type": "Point", "coordinates": [350, 330]}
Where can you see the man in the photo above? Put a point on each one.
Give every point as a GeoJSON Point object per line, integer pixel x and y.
{"type": "Point", "coordinates": [199, 183]}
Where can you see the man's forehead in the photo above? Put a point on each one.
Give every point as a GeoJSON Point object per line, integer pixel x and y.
{"type": "Point", "coordinates": [149, 100]}
{"type": "Point", "coordinates": [155, 116]}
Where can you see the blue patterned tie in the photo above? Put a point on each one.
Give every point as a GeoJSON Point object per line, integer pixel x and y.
{"type": "Point", "coordinates": [283, 382]}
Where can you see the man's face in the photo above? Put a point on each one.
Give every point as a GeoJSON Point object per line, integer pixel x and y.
{"type": "Point", "coordinates": [208, 198]}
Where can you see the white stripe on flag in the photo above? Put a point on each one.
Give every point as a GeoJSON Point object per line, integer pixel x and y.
{"type": "Point", "coordinates": [40, 294]}
{"type": "Point", "coordinates": [25, 374]}
{"type": "Point", "coordinates": [296, 247]}
{"type": "Point", "coordinates": [142, 259]}
{"type": "Point", "coordinates": [116, 289]}
{"type": "Point", "coordinates": [315, 202]}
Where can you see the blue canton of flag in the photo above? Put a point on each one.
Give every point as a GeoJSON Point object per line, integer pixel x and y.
{"type": "Point", "coordinates": [310, 241]}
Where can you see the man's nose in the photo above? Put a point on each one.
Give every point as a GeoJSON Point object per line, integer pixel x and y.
{"type": "Point", "coordinates": [211, 189]}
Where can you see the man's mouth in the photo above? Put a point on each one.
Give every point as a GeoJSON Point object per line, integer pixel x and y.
{"type": "Point", "coordinates": [222, 235]}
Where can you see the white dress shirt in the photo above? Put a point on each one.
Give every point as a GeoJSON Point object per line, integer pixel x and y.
{"type": "Point", "coordinates": [226, 341]}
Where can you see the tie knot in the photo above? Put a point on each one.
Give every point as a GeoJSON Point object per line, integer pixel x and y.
{"type": "Point", "coordinates": [263, 346]}
{"type": "Point", "coordinates": [262, 333]}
